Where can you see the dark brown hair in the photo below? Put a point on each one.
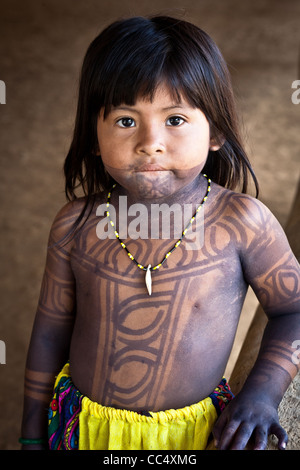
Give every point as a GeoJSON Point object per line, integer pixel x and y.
{"type": "Point", "coordinates": [130, 58]}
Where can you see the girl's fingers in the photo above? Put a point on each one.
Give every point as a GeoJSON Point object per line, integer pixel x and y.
{"type": "Point", "coordinates": [241, 437]}
{"type": "Point", "coordinates": [260, 438]}
{"type": "Point", "coordinates": [218, 428]}
{"type": "Point", "coordinates": [225, 434]}
{"type": "Point", "coordinates": [281, 435]}
{"type": "Point", "coordinates": [236, 433]}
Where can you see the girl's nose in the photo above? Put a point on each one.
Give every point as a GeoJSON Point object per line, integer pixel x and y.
{"type": "Point", "coordinates": [150, 141]}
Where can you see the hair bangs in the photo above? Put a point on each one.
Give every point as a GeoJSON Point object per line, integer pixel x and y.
{"type": "Point", "coordinates": [139, 77]}
{"type": "Point", "coordinates": [140, 56]}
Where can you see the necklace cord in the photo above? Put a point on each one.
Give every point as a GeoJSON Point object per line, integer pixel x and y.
{"type": "Point", "coordinates": [145, 268]}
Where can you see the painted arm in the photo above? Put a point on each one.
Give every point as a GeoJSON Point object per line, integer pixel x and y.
{"type": "Point", "coordinates": [51, 334]}
{"type": "Point", "coordinates": [273, 272]}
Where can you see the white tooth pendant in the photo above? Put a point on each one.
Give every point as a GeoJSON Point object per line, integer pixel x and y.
{"type": "Point", "coordinates": [148, 280]}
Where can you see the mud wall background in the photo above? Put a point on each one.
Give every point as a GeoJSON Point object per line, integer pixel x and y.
{"type": "Point", "coordinates": [42, 44]}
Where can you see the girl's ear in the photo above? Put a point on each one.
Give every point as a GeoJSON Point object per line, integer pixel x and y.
{"type": "Point", "coordinates": [216, 143]}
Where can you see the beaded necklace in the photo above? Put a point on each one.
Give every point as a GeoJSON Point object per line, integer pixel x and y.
{"type": "Point", "coordinates": [149, 269]}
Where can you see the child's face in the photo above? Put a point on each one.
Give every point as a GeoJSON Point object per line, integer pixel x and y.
{"type": "Point", "coordinates": [154, 149]}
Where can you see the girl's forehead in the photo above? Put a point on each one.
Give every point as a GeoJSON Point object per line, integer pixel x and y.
{"type": "Point", "coordinates": [162, 93]}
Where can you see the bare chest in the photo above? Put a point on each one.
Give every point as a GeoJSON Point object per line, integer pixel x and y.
{"type": "Point", "coordinates": [137, 339]}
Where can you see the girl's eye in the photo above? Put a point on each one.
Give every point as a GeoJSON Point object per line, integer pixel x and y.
{"type": "Point", "coordinates": [175, 121]}
{"type": "Point", "coordinates": [126, 122]}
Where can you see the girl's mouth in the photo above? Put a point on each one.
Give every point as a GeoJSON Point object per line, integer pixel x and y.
{"type": "Point", "coordinates": [150, 167]}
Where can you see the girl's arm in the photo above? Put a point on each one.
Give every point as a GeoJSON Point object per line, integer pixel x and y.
{"type": "Point", "coordinates": [273, 272]}
{"type": "Point", "coordinates": [52, 331]}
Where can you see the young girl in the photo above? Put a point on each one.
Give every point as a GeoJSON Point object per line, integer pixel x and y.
{"type": "Point", "coordinates": [134, 333]}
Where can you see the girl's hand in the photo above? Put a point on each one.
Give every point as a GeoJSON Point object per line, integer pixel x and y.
{"type": "Point", "coordinates": [248, 421]}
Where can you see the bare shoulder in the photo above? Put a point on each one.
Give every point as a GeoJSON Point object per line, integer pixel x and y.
{"type": "Point", "coordinates": [246, 220]}
{"type": "Point", "coordinates": [232, 201]}
{"type": "Point", "coordinates": [67, 218]}
{"type": "Point", "coordinates": [242, 207]}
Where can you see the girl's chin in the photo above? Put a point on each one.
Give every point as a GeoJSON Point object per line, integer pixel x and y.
{"type": "Point", "coordinates": [153, 184]}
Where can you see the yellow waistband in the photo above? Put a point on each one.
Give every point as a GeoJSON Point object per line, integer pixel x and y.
{"type": "Point", "coordinates": [110, 414]}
